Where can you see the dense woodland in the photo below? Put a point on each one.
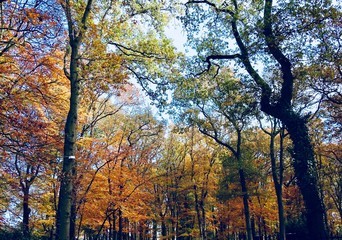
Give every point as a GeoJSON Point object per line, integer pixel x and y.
{"type": "Point", "coordinates": [246, 143]}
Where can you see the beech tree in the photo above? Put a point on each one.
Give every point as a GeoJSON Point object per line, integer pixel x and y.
{"type": "Point", "coordinates": [92, 27]}
{"type": "Point", "coordinates": [30, 79]}
{"type": "Point", "coordinates": [280, 35]}
{"type": "Point", "coordinates": [68, 68]}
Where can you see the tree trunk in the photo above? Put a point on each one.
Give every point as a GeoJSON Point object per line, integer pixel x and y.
{"type": "Point", "coordinates": [163, 226]}
{"type": "Point", "coordinates": [282, 232]}
{"type": "Point", "coordinates": [303, 153]}
{"type": "Point", "coordinates": [120, 235]}
{"type": "Point", "coordinates": [204, 224]}
{"type": "Point", "coordinates": [278, 179]}
{"type": "Point", "coordinates": [245, 197]}
{"type": "Point", "coordinates": [66, 188]}
{"type": "Point", "coordinates": [305, 172]}
{"type": "Point", "coordinates": [154, 230]}
{"type": "Point", "coordinates": [243, 186]}
{"type": "Point", "coordinates": [198, 213]}
{"type": "Point", "coordinates": [115, 236]}
{"type": "Point", "coordinates": [26, 213]}
{"type": "Point", "coordinates": [253, 227]}
{"type": "Point", "coordinates": [173, 229]}
{"type": "Point", "coordinates": [296, 125]}
{"type": "Point", "coordinates": [73, 213]}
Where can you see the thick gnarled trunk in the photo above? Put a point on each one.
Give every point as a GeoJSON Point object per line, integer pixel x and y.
{"type": "Point", "coordinates": [304, 166]}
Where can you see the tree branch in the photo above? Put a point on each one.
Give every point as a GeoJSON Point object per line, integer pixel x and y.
{"type": "Point", "coordinates": [134, 52]}
{"type": "Point", "coordinates": [273, 46]}
{"type": "Point", "coordinates": [217, 9]}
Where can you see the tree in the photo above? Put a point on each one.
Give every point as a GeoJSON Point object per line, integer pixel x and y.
{"type": "Point", "coordinates": [221, 110]}
{"type": "Point", "coordinates": [116, 172]}
{"type": "Point", "coordinates": [203, 154]}
{"type": "Point", "coordinates": [169, 191]}
{"type": "Point", "coordinates": [92, 27]}
{"type": "Point", "coordinates": [76, 30]}
{"type": "Point", "coordinates": [30, 131]}
{"type": "Point", "coordinates": [267, 32]}
{"type": "Point", "coordinates": [277, 169]}
{"type": "Point", "coordinates": [30, 75]}
{"type": "Point", "coordinates": [28, 26]}
{"type": "Point", "coordinates": [330, 168]}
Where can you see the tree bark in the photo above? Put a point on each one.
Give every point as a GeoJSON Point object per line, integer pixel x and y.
{"type": "Point", "coordinates": [204, 222]}
{"type": "Point", "coordinates": [278, 178]}
{"type": "Point", "coordinates": [155, 226]}
{"type": "Point", "coordinates": [26, 212]}
{"type": "Point", "coordinates": [245, 198]}
{"type": "Point", "coordinates": [120, 231]}
{"type": "Point", "coordinates": [66, 188]}
{"type": "Point", "coordinates": [243, 184]}
{"type": "Point", "coordinates": [305, 172]}
{"type": "Point", "coordinates": [163, 227]}
{"type": "Point", "coordinates": [198, 213]}
{"type": "Point", "coordinates": [304, 166]}
{"type": "Point", "coordinates": [73, 216]}
{"type": "Point", "coordinates": [67, 176]}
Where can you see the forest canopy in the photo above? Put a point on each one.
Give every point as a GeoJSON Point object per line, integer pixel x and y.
{"type": "Point", "coordinates": [109, 131]}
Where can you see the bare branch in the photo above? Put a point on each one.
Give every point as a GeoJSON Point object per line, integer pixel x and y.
{"type": "Point", "coordinates": [134, 52]}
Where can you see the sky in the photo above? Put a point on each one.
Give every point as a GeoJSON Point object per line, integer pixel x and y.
{"type": "Point", "coordinates": [174, 31]}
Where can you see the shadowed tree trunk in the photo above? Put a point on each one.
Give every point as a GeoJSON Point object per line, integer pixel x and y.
{"type": "Point", "coordinates": [26, 178]}
{"type": "Point", "coordinates": [244, 190]}
{"type": "Point", "coordinates": [277, 172]}
{"type": "Point", "coordinates": [26, 212]}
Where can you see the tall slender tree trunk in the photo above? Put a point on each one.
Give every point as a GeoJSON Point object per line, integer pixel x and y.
{"type": "Point", "coordinates": [243, 184]}
{"type": "Point", "coordinates": [73, 219]}
{"type": "Point", "coordinates": [198, 213]}
{"type": "Point", "coordinates": [67, 178]}
{"type": "Point", "coordinates": [245, 198]}
{"type": "Point", "coordinates": [115, 237]}
{"type": "Point", "coordinates": [120, 232]}
{"type": "Point", "coordinates": [278, 178]}
{"type": "Point", "coordinates": [173, 221]}
{"type": "Point", "coordinates": [253, 227]}
{"type": "Point", "coordinates": [155, 227]}
{"type": "Point", "coordinates": [305, 169]}
{"type": "Point", "coordinates": [66, 188]}
{"type": "Point", "coordinates": [204, 223]}
{"type": "Point", "coordinates": [163, 227]}
{"type": "Point", "coordinates": [73, 211]}
{"type": "Point", "coordinates": [26, 212]}
{"type": "Point", "coordinates": [237, 154]}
